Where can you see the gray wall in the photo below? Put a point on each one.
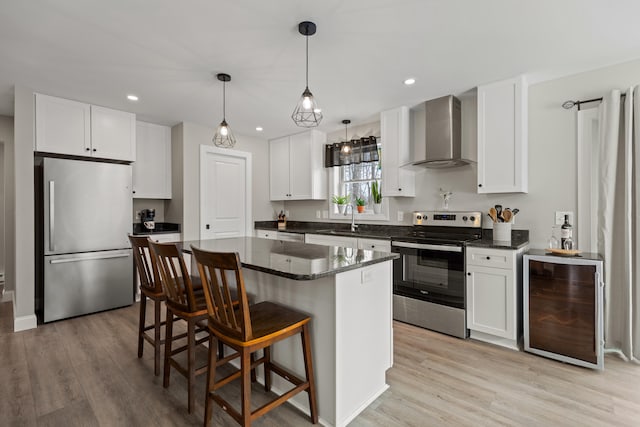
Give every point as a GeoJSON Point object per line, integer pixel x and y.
{"type": "Point", "coordinates": [23, 209]}
{"type": "Point", "coordinates": [184, 207]}
{"type": "Point", "coordinates": [6, 169]}
{"type": "Point", "coordinates": [552, 159]}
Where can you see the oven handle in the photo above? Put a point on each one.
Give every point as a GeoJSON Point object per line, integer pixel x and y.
{"type": "Point", "coordinates": [441, 248]}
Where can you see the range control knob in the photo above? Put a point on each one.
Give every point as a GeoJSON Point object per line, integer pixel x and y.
{"type": "Point", "coordinates": [418, 217]}
{"type": "Point", "coordinates": [473, 218]}
{"type": "Point", "coordinates": [464, 218]}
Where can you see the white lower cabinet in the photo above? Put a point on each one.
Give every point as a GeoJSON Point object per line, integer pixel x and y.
{"type": "Point", "coordinates": [494, 295]}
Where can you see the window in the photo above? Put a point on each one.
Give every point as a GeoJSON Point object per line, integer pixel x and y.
{"type": "Point", "coordinates": [355, 180]}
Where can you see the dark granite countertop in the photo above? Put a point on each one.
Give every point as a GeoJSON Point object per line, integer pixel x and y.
{"type": "Point", "coordinates": [583, 255]}
{"type": "Point", "coordinates": [293, 260]}
{"type": "Point", "coordinates": [519, 238]}
{"type": "Point", "coordinates": [161, 228]}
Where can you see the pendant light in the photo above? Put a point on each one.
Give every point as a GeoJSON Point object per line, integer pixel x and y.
{"type": "Point", "coordinates": [223, 137]}
{"type": "Point", "coordinates": [346, 147]}
{"type": "Point", "coordinates": [307, 114]}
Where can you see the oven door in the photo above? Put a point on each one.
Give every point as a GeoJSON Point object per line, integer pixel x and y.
{"type": "Point", "coordinates": [433, 273]}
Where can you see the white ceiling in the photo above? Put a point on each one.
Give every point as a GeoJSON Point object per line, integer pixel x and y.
{"type": "Point", "coordinates": [167, 52]}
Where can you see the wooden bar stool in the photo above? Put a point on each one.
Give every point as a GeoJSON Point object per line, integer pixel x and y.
{"type": "Point", "coordinates": [184, 303]}
{"type": "Point", "coordinates": [248, 329]}
{"type": "Point", "coordinates": [151, 288]}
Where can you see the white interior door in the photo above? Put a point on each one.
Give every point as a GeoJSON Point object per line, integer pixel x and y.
{"type": "Point", "coordinates": [225, 193]}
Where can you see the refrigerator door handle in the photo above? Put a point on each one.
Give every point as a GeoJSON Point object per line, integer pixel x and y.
{"type": "Point", "coordinates": [63, 260]}
{"type": "Point", "coordinates": [52, 204]}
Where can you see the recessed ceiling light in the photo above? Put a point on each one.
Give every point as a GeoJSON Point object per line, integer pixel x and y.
{"type": "Point", "coordinates": [259, 128]}
{"type": "Point", "coordinates": [132, 97]}
{"type": "Point", "coordinates": [410, 81]}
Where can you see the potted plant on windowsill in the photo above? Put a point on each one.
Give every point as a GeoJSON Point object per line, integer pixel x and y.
{"type": "Point", "coordinates": [376, 196]}
{"type": "Point", "coordinates": [341, 201]}
{"type": "Point", "coordinates": [360, 203]}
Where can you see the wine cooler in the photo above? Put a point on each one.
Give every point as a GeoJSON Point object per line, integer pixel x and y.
{"type": "Point", "coordinates": [563, 307]}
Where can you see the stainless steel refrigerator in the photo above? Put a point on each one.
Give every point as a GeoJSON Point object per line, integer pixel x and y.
{"type": "Point", "coordinates": [83, 217]}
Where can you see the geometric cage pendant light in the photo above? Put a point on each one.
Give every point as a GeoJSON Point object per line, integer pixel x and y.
{"type": "Point", "coordinates": [307, 113]}
{"type": "Point", "coordinates": [224, 137]}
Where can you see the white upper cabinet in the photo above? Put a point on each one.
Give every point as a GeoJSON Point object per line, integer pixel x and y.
{"type": "Point", "coordinates": [62, 126]}
{"type": "Point", "coordinates": [396, 152]}
{"type": "Point", "coordinates": [152, 169]}
{"type": "Point", "coordinates": [113, 134]}
{"type": "Point", "coordinates": [502, 137]}
{"type": "Point", "coordinates": [78, 129]}
{"type": "Point", "coordinates": [296, 170]}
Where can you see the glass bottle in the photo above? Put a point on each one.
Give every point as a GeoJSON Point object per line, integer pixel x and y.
{"type": "Point", "coordinates": [566, 232]}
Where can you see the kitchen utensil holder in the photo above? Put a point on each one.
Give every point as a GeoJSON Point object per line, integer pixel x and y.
{"type": "Point", "coordinates": [502, 232]}
{"type": "Point", "coordinates": [282, 225]}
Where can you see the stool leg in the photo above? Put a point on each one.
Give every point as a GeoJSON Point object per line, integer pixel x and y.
{"type": "Point", "coordinates": [143, 312]}
{"type": "Point", "coordinates": [156, 340]}
{"type": "Point", "coordinates": [267, 368]}
{"type": "Point", "coordinates": [308, 369]}
{"type": "Point", "coordinates": [211, 376]}
{"type": "Point", "coordinates": [191, 362]}
{"type": "Point", "coordinates": [168, 339]}
{"type": "Point", "coordinates": [220, 350]}
{"type": "Point", "coordinates": [245, 388]}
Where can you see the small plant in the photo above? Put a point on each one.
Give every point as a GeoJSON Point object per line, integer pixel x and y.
{"type": "Point", "coordinates": [340, 200]}
{"type": "Point", "coordinates": [360, 202]}
{"type": "Point", "coordinates": [376, 194]}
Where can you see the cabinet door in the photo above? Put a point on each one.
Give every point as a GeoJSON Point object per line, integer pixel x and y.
{"type": "Point", "coordinates": [62, 126]}
{"type": "Point", "coordinates": [300, 171]}
{"type": "Point", "coordinates": [502, 137]}
{"type": "Point", "coordinates": [279, 168]}
{"type": "Point", "coordinates": [113, 134]}
{"type": "Point", "coordinates": [152, 169]}
{"type": "Point", "coordinates": [491, 301]}
{"type": "Point", "coordinates": [394, 130]}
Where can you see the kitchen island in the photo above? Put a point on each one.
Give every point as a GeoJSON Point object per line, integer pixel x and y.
{"type": "Point", "coordinates": [348, 293]}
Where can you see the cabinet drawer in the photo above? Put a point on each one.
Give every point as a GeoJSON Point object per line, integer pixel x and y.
{"type": "Point", "coordinates": [266, 234]}
{"type": "Point", "coordinates": [375, 245]}
{"type": "Point", "coordinates": [491, 258]}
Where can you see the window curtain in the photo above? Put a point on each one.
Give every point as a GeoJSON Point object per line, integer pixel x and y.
{"type": "Point", "coordinates": [361, 150]}
{"type": "Point", "coordinates": [618, 235]}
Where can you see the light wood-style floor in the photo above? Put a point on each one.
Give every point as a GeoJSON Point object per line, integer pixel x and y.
{"type": "Point", "coordinates": [85, 372]}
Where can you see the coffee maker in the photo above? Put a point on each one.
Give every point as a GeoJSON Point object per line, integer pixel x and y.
{"type": "Point", "coordinates": [147, 218]}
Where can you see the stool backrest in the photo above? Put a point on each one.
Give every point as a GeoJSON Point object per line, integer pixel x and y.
{"type": "Point", "coordinates": [218, 271]}
{"type": "Point", "coordinates": [174, 276]}
{"type": "Point", "coordinates": [145, 263]}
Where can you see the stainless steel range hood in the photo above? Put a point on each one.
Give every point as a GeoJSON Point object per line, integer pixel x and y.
{"type": "Point", "coordinates": [439, 143]}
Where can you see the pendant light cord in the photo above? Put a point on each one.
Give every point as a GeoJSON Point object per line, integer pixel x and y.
{"type": "Point", "coordinates": [224, 102]}
{"type": "Point", "coordinates": [307, 82]}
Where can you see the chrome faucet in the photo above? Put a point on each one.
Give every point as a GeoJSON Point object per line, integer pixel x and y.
{"type": "Point", "coordinates": [354, 226]}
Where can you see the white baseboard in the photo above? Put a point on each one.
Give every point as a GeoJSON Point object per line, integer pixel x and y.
{"type": "Point", "coordinates": [23, 323]}
{"type": "Point", "coordinates": [8, 296]}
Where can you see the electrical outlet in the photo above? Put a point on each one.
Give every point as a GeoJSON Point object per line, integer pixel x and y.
{"type": "Point", "coordinates": [318, 214]}
{"type": "Point", "coordinates": [137, 217]}
{"type": "Point", "coordinates": [286, 213]}
{"type": "Point", "coordinates": [560, 217]}
{"type": "Point", "coordinates": [325, 214]}
{"type": "Point", "coordinates": [400, 216]}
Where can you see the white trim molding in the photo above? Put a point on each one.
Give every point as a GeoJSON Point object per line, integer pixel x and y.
{"type": "Point", "coordinates": [23, 323]}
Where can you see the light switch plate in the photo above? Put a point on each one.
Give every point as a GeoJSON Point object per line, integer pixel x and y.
{"type": "Point", "coordinates": [560, 217]}
{"type": "Point", "coordinates": [400, 216]}
{"type": "Point", "coordinates": [318, 214]}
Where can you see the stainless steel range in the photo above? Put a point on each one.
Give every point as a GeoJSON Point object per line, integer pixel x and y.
{"type": "Point", "coordinates": [429, 277]}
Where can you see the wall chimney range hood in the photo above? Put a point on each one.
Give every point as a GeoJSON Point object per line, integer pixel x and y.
{"type": "Point", "coordinates": [439, 143]}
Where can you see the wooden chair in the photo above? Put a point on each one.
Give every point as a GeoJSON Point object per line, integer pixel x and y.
{"type": "Point", "coordinates": [151, 288]}
{"type": "Point", "coordinates": [248, 329]}
{"type": "Point", "coordinates": [183, 302]}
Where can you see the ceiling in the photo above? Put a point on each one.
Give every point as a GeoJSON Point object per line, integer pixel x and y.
{"type": "Point", "coordinates": [167, 52]}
